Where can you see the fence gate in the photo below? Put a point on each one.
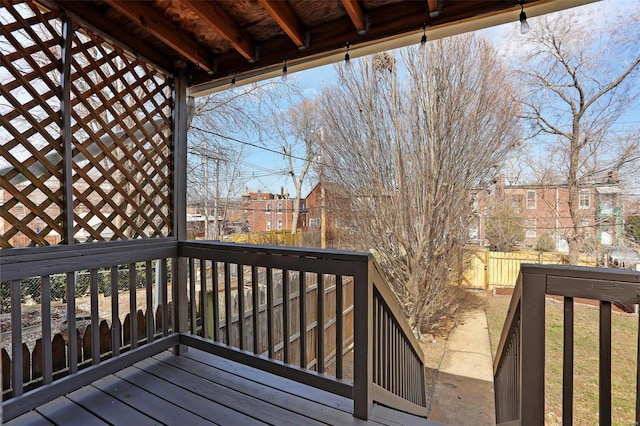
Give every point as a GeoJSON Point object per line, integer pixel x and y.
{"type": "Point", "coordinates": [476, 264]}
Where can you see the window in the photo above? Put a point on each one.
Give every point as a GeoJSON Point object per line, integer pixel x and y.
{"type": "Point", "coordinates": [585, 199]}
{"type": "Point", "coordinates": [531, 225]}
{"type": "Point", "coordinates": [279, 208]}
{"type": "Point", "coordinates": [279, 225]}
{"type": "Point", "coordinates": [531, 199]}
{"type": "Point", "coordinates": [268, 227]}
{"type": "Point", "coordinates": [268, 209]}
{"type": "Point", "coordinates": [474, 201]}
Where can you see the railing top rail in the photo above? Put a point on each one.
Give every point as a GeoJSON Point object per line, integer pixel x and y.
{"type": "Point", "coordinates": [509, 322]}
{"type": "Point", "coordinates": [605, 274]}
{"type": "Point", "coordinates": [25, 263]}
{"type": "Point", "coordinates": [305, 260]}
{"type": "Point", "coordinates": [278, 250]}
{"type": "Point", "coordinates": [394, 305]}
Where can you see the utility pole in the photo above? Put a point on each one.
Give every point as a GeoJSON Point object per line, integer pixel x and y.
{"type": "Point", "coordinates": [204, 154]}
{"type": "Point", "coordinates": [216, 231]}
{"type": "Point", "coordinates": [323, 213]}
{"type": "Point", "coordinates": [206, 193]}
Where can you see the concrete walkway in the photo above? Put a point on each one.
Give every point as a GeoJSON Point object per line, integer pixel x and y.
{"type": "Point", "coordinates": [463, 390]}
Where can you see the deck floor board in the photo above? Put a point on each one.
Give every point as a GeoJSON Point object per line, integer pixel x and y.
{"type": "Point", "coordinates": [63, 411]}
{"type": "Point", "coordinates": [202, 389]}
{"type": "Point", "coordinates": [316, 409]}
{"type": "Point", "coordinates": [109, 408]}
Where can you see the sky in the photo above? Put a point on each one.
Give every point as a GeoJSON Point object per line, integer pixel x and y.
{"type": "Point", "coordinates": [505, 38]}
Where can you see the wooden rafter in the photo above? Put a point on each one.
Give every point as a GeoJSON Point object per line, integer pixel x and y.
{"type": "Point", "coordinates": [356, 14]}
{"type": "Point", "coordinates": [223, 24]}
{"type": "Point", "coordinates": [161, 27]}
{"type": "Point", "coordinates": [94, 18]}
{"type": "Point", "coordinates": [285, 16]}
{"type": "Point", "coordinates": [434, 5]}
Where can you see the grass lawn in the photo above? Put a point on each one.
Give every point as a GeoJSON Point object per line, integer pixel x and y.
{"type": "Point", "coordinates": [585, 402]}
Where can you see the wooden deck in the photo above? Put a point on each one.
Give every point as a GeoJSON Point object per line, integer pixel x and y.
{"type": "Point", "coordinates": [202, 389]}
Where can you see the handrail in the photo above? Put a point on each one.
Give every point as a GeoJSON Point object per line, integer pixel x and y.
{"type": "Point", "coordinates": [398, 375]}
{"type": "Point", "coordinates": [388, 364]}
{"type": "Point", "coordinates": [312, 308]}
{"type": "Point", "coordinates": [106, 339]}
{"type": "Point", "coordinates": [520, 357]}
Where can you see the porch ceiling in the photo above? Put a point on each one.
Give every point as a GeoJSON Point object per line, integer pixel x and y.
{"type": "Point", "coordinates": [252, 38]}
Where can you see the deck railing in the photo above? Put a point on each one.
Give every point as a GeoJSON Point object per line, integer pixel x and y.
{"type": "Point", "coordinates": [519, 367]}
{"type": "Point", "coordinates": [321, 315]}
{"type": "Point", "coordinates": [115, 299]}
{"type": "Point", "coordinates": [324, 318]}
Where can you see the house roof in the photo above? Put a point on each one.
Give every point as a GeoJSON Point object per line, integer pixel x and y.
{"type": "Point", "coordinates": [251, 39]}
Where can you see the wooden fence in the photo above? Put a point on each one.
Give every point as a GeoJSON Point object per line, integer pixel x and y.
{"type": "Point", "coordinates": [485, 269]}
{"type": "Point", "coordinates": [32, 360]}
{"type": "Point", "coordinates": [311, 303]}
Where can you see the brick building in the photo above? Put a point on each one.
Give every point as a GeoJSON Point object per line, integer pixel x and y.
{"type": "Point", "coordinates": [544, 209]}
{"type": "Point", "coordinates": [264, 211]}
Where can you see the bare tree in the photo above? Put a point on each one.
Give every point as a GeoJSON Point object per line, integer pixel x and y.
{"type": "Point", "coordinates": [298, 133]}
{"type": "Point", "coordinates": [219, 125]}
{"type": "Point", "coordinates": [407, 140]}
{"type": "Point", "coordinates": [578, 84]}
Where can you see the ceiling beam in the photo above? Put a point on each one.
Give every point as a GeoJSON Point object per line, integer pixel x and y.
{"type": "Point", "coordinates": [216, 18]}
{"type": "Point", "coordinates": [284, 15]}
{"type": "Point", "coordinates": [90, 16]}
{"type": "Point", "coordinates": [153, 21]}
{"type": "Point", "coordinates": [355, 13]}
{"type": "Point", "coordinates": [434, 6]}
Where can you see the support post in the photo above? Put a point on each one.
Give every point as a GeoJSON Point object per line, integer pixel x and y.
{"type": "Point", "coordinates": [532, 348]}
{"type": "Point", "coordinates": [179, 136]}
{"type": "Point", "coordinates": [363, 340]}
{"type": "Point", "coordinates": [65, 111]}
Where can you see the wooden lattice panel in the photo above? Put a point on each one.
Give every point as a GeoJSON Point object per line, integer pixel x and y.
{"type": "Point", "coordinates": [30, 144]}
{"type": "Point", "coordinates": [120, 135]}
{"type": "Point", "coordinates": [121, 117]}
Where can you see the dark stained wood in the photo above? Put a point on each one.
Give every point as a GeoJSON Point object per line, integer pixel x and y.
{"type": "Point", "coordinates": [612, 291]}
{"type": "Point", "coordinates": [6, 370]}
{"type": "Point", "coordinates": [141, 325]}
{"type": "Point", "coordinates": [270, 314]}
{"type": "Point", "coordinates": [58, 352]}
{"type": "Point", "coordinates": [105, 337]}
{"type": "Point", "coordinates": [434, 5]}
{"type": "Point", "coordinates": [126, 330]}
{"type": "Point", "coordinates": [86, 343]}
{"type": "Point", "coordinates": [567, 363]}
{"type": "Point", "coordinates": [355, 13]}
{"type": "Point", "coordinates": [637, 374]}
{"type": "Point", "coordinates": [55, 259]}
{"type": "Point", "coordinates": [604, 412]}
{"type": "Point", "coordinates": [198, 388]}
{"type": "Point", "coordinates": [147, 402]}
{"type": "Point", "coordinates": [26, 363]}
{"type": "Point", "coordinates": [241, 307]}
{"type": "Point", "coordinates": [94, 17]}
{"type": "Point", "coordinates": [287, 19]}
{"type": "Point", "coordinates": [63, 411]}
{"type": "Point", "coordinates": [37, 367]}
{"type": "Point", "coordinates": [161, 27]}
{"type": "Point", "coordinates": [107, 407]}
{"type": "Point", "coordinates": [532, 356]}
{"type": "Point", "coordinates": [32, 418]}
{"type": "Point", "coordinates": [218, 20]}
{"type": "Point", "coordinates": [339, 326]}
{"type": "Point", "coordinates": [45, 313]}
{"type": "Point", "coordinates": [255, 309]}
